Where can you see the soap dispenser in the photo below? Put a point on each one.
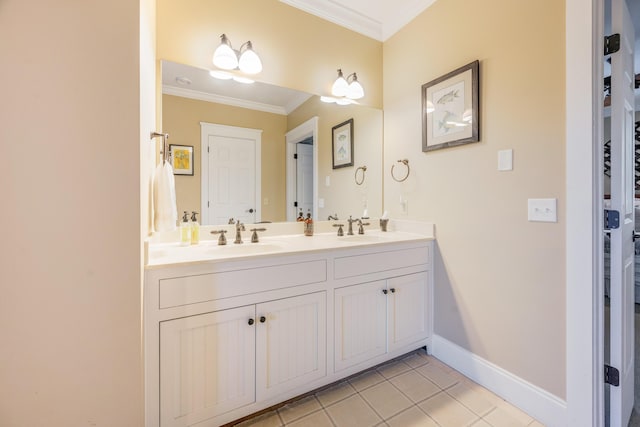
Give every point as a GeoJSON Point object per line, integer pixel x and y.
{"type": "Point", "coordinates": [195, 229]}
{"type": "Point", "coordinates": [185, 230]}
{"type": "Point", "coordinates": [308, 225]}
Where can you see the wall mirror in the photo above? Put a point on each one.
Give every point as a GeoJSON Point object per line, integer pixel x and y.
{"type": "Point", "coordinates": [264, 153]}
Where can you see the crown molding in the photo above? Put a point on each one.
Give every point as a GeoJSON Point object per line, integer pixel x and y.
{"type": "Point", "coordinates": [340, 15]}
{"type": "Point", "coordinates": [226, 100]}
{"type": "Point", "coordinates": [332, 11]}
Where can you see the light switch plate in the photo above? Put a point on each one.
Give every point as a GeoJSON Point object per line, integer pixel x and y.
{"type": "Point", "coordinates": [327, 181]}
{"type": "Point", "coordinates": [543, 210]}
{"type": "Point", "coordinates": [320, 203]}
{"type": "Point", "coordinates": [505, 160]}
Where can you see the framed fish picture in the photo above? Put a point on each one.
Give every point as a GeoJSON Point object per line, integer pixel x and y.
{"type": "Point", "coordinates": [342, 144]}
{"type": "Point", "coordinates": [450, 109]}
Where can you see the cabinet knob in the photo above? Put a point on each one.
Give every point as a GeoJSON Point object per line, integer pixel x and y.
{"type": "Point", "coordinates": [393, 290]}
{"type": "Point", "coordinates": [263, 319]}
{"type": "Point", "coordinates": [251, 322]}
{"type": "Point", "coordinates": [384, 291]}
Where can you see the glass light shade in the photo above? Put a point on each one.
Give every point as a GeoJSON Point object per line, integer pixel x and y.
{"type": "Point", "coordinates": [355, 90]}
{"type": "Point", "coordinates": [224, 57]}
{"type": "Point", "coordinates": [340, 86]}
{"type": "Point", "coordinates": [343, 101]}
{"type": "Point", "coordinates": [250, 61]}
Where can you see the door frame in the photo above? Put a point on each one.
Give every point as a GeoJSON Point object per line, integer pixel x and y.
{"type": "Point", "coordinates": [207, 129]}
{"type": "Point", "coordinates": [300, 133]}
{"type": "Point", "coordinates": [584, 194]}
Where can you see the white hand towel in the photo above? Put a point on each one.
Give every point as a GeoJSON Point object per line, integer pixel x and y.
{"type": "Point", "coordinates": [164, 198]}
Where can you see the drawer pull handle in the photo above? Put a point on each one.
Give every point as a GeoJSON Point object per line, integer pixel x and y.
{"type": "Point", "coordinates": [263, 319]}
{"type": "Point", "coordinates": [251, 322]}
{"type": "Point", "coordinates": [384, 291]}
{"type": "Point", "coordinates": [393, 290]}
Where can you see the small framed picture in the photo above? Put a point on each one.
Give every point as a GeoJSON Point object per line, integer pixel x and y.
{"type": "Point", "coordinates": [182, 159]}
{"type": "Point", "coordinates": [450, 109]}
{"type": "Point", "coordinates": [342, 144]}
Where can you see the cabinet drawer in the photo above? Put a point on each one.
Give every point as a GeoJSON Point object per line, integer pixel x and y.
{"type": "Point", "coordinates": [179, 291]}
{"type": "Point", "coordinates": [381, 261]}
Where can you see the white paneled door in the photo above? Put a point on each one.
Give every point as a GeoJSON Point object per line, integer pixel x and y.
{"type": "Point", "coordinates": [622, 197]}
{"type": "Point", "coordinates": [231, 168]}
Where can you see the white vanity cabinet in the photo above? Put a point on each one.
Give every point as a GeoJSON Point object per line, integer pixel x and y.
{"type": "Point", "coordinates": [207, 365]}
{"type": "Point", "coordinates": [229, 337]}
{"type": "Point", "coordinates": [215, 362]}
{"type": "Point", "coordinates": [374, 318]}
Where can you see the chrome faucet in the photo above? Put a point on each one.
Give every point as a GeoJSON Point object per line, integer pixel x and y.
{"type": "Point", "coordinates": [333, 217]}
{"type": "Point", "coordinates": [361, 226]}
{"type": "Point", "coordinates": [350, 229]}
{"type": "Point", "coordinates": [239, 228]}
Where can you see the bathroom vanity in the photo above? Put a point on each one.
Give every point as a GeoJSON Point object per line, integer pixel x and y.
{"type": "Point", "coordinates": [231, 330]}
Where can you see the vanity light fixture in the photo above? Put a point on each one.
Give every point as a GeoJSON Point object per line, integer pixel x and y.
{"type": "Point", "coordinates": [348, 87]}
{"type": "Point", "coordinates": [245, 59]}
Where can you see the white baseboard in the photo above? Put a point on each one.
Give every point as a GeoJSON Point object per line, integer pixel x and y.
{"type": "Point", "coordinates": [545, 407]}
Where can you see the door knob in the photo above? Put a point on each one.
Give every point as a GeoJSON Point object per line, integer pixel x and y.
{"type": "Point", "coordinates": [393, 290]}
{"type": "Point", "coordinates": [384, 291]}
{"type": "Point", "coordinates": [250, 322]}
{"type": "Point", "coordinates": [250, 210]}
{"type": "Point", "coordinates": [263, 319]}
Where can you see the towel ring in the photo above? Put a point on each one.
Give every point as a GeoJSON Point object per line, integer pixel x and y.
{"type": "Point", "coordinates": [165, 149]}
{"type": "Point", "coordinates": [363, 169]}
{"type": "Point", "coordinates": [406, 163]}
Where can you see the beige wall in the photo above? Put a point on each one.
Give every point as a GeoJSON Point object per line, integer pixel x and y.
{"type": "Point", "coordinates": [181, 119]}
{"type": "Point", "coordinates": [70, 311]}
{"type": "Point", "coordinates": [298, 50]}
{"type": "Point", "coordinates": [343, 196]}
{"type": "Point", "coordinates": [500, 280]}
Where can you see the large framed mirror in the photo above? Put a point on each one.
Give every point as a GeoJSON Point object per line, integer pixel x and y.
{"type": "Point", "coordinates": [241, 136]}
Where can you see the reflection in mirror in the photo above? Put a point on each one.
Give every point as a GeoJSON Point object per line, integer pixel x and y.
{"type": "Point", "coordinates": [243, 129]}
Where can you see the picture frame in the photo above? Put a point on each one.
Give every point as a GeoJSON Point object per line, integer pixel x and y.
{"type": "Point", "coordinates": [342, 144]}
{"type": "Point", "coordinates": [450, 109]}
{"type": "Point", "coordinates": [181, 159]}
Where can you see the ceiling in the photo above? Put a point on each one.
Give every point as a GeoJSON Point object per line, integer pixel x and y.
{"type": "Point", "coordinates": [196, 83]}
{"type": "Point", "coordinates": [378, 19]}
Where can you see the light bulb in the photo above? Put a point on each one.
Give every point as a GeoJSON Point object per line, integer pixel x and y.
{"type": "Point", "coordinates": [250, 61]}
{"type": "Point", "coordinates": [340, 86]}
{"type": "Point", "coordinates": [224, 57]}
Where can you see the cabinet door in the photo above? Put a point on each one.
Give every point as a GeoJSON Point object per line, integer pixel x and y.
{"type": "Point", "coordinates": [360, 323]}
{"type": "Point", "coordinates": [408, 317]}
{"type": "Point", "coordinates": [207, 365]}
{"type": "Point", "coordinates": [291, 346]}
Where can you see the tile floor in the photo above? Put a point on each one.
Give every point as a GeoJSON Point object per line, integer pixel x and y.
{"type": "Point", "coordinates": [417, 390]}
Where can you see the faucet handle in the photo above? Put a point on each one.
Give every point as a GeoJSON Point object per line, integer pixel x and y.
{"type": "Point", "coordinates": [222, 240]}
{"type": "Point", "coordinates": [361, 226]}
{"type": "Point", "coordinates": [340, 232]}
{"type": "Point", "coordinates": [254, 236]}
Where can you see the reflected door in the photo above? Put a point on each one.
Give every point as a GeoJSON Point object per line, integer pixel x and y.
{"type": "Point", "coordinates": [304, 177]}
{"type": "Point", "coordinates": [622, 196]}
{"type": "Point", "coordinates": [230, 174]}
